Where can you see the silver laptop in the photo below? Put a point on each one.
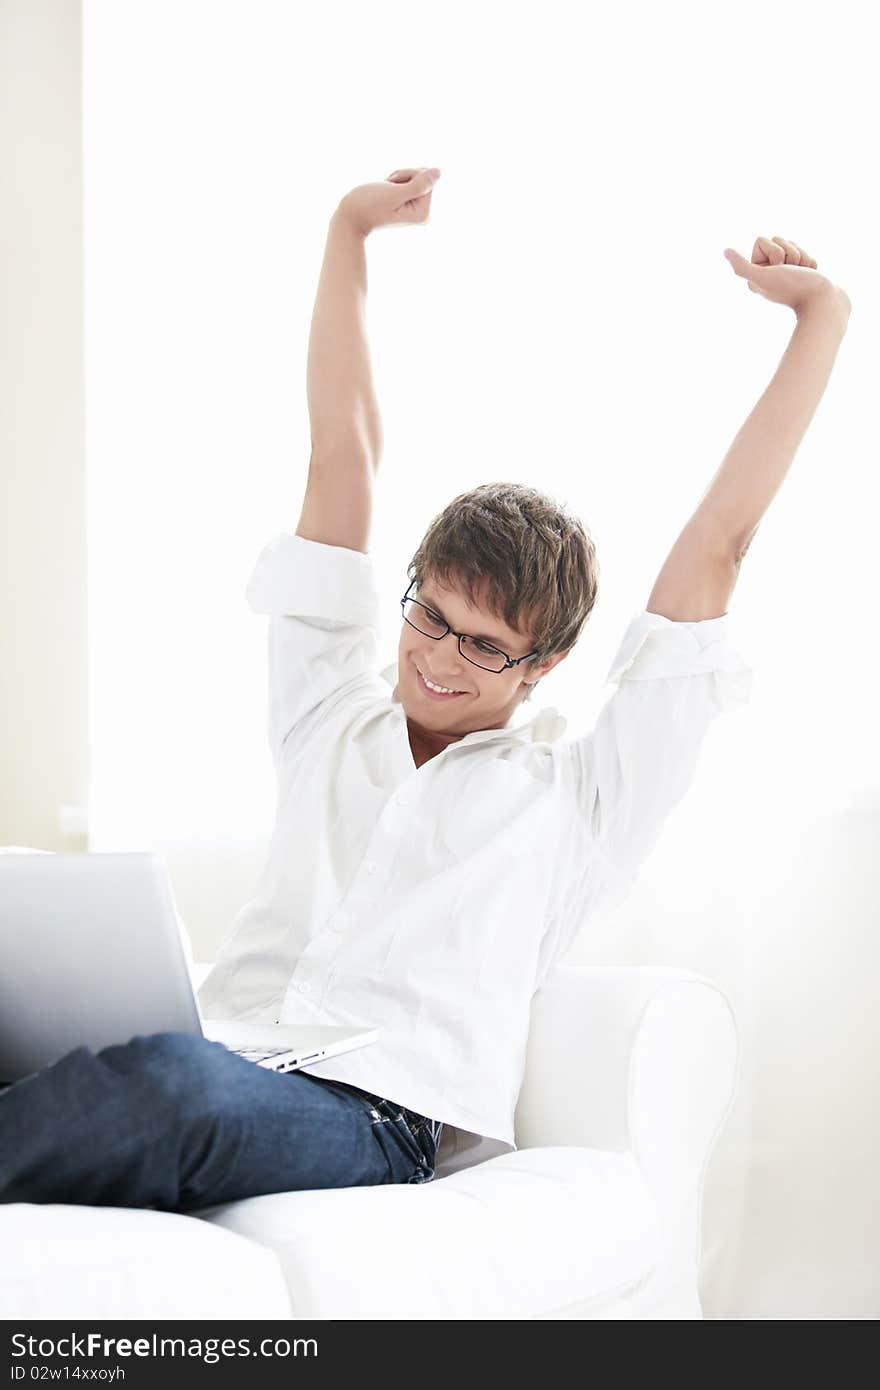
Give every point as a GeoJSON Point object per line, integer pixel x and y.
{"type": "Point", "coordinates": [91, 954]}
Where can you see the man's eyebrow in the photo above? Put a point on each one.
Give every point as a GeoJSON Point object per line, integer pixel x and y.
{"type": "Point", "coordinates": [483, 636]}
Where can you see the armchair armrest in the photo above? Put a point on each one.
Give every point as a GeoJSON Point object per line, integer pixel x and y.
{"type": "Point", "coordinates": [644, 1059]}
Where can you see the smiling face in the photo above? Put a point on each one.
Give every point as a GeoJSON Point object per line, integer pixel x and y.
{"type": "Point", "coordinates": [486, 699]}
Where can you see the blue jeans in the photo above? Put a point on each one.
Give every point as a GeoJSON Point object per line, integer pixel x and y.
{"type": "Point", "coordinates": [176, 1122]}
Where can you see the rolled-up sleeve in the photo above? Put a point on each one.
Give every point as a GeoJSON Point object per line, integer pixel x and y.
{"type": "Point", "coordinates": [673, 680]}
{"type": "Point", "coordinates": [323, 609]}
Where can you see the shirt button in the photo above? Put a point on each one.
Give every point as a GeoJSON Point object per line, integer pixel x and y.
{"type": "Point", "coordinates": [372, 866]}
{"type": "Point", "coordinates": [334, 926]}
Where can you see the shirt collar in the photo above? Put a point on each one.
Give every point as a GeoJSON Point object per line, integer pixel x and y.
{"type": "Point", "coordinates": [547, 725]}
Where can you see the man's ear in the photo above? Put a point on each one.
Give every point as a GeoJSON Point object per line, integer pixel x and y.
{"type": "Point", "coordinates": [545, 666]}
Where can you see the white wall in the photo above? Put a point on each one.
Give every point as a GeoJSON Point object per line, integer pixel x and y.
{"type": "Point", "coordinates": [44, 745]}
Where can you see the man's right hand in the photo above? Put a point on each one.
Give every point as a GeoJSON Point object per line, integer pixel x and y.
{"type": "Point", "coordinates": [404, 198]}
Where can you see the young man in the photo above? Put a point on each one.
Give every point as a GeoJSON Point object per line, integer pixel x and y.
{"type": "Point", "coordinates": [434, 854]}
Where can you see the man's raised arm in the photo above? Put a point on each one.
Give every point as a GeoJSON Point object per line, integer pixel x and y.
{"type": "Point", "coordinates": [346, 429]}
{"type": "Point", "coordinates": [700, 572]}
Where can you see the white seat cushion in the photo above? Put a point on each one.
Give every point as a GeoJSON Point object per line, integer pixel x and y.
{"type": "Point", "coordinates": [82, 1262]}
{"type": "Point", "coordinates": [520, 1235]}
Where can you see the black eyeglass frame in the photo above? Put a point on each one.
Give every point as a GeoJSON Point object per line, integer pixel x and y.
{"type": "Point", "coordinates": [509, 660]}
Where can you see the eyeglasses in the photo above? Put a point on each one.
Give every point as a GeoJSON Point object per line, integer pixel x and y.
{"type": "Point", "coordinates": [473, 649]}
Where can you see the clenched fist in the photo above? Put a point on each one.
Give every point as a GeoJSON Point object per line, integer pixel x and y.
{"type": "Point", "coordinates": [785, 273]}
{"type": "Point", "coordinates": [402, 199]}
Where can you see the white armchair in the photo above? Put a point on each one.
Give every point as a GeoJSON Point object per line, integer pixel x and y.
{"type": "Point", "coordinates": [630, 1074]}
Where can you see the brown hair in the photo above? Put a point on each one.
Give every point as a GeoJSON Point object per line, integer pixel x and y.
{"type": "Point", "coordinates": [535, 561]}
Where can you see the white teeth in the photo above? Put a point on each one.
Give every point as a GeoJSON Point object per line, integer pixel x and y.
{"type": "Point", "coordinates": [441, 689]}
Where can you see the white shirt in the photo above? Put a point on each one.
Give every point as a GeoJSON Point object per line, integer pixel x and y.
{"type": "Point", "coordinates": [431, 902]}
